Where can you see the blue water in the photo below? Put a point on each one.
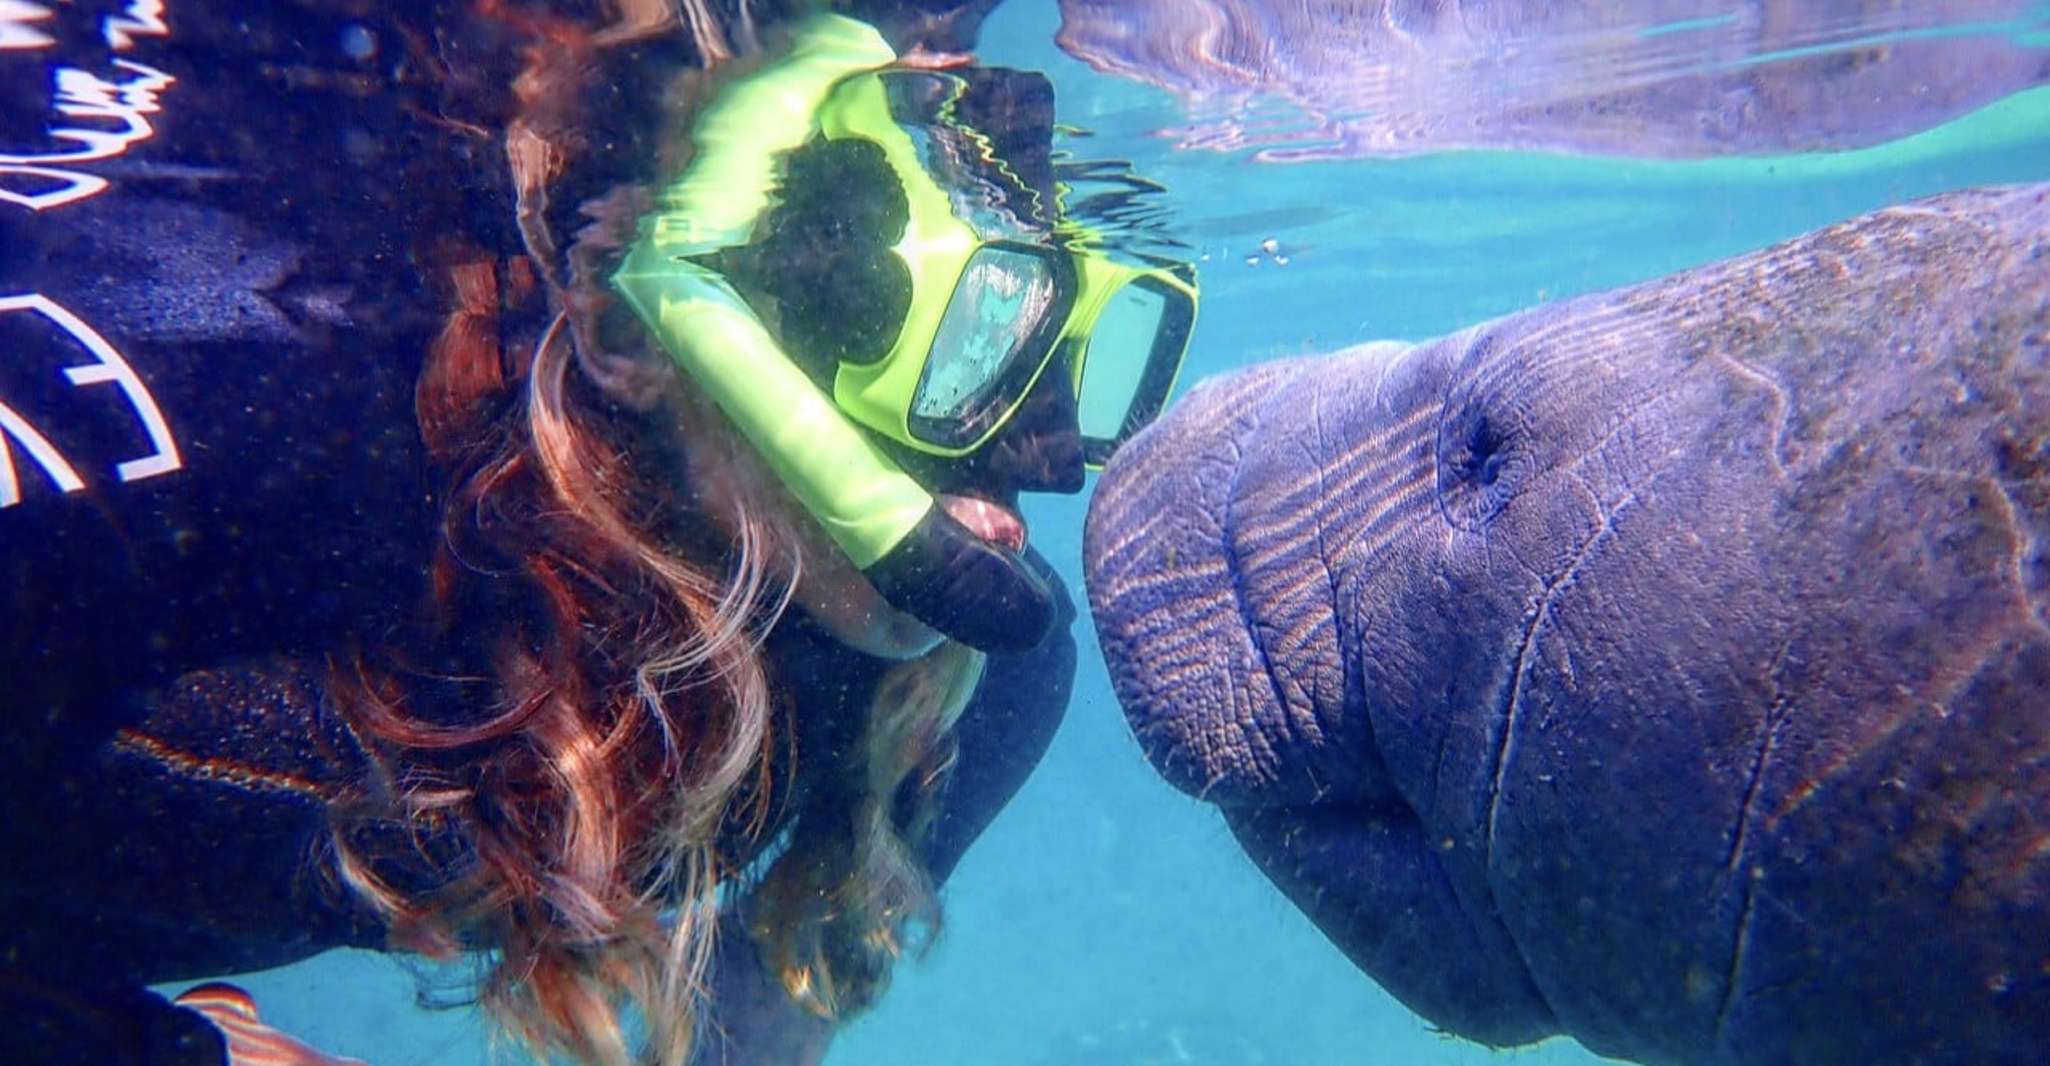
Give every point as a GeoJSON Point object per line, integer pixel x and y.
{"type": "Point", "coordinates": [1106, 918]}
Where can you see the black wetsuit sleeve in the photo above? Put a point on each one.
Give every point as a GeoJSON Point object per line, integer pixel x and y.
{"type": "Point", "coordinates": [215, 229]}
{"type": "Point", "coordinates": [52, 1025]}
{"type": "Point", "coordinates": [213, 315]}
{"type": "Point", "coordinates": [1001, 735]}
{"type": "Point", "coordinates": [197, 841]}
{"type": "Point", "coordinates": [1004, 733]}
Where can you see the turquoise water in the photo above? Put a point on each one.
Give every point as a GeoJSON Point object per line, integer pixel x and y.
{"type": "Point", "coordinates": [1105, 918]}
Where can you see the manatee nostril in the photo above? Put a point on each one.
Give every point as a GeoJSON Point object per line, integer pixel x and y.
{"type": "Point", "coordinates": [1477, 464]}
{"type": "Point", "coordinates": [1480, 459]}
{"type": "Point", "coordinates": [1491, 468]}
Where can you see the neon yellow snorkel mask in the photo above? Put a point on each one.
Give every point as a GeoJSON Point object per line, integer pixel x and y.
{"type": "Point", "coordinates": [991, 305]}
{"type": "Point", "coordinates": [978, 303]}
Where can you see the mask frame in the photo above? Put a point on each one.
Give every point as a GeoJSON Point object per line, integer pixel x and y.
{"type": "Point", "coordinates": [940, 250]}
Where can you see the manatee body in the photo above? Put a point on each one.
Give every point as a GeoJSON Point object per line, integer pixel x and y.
{"type": "Point", "coordinates": [1661, 78]}
{"type": "Point", "coordinates": [1667, 667]}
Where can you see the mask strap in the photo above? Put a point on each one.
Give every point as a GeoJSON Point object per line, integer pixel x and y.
{"type": "Point", "coordinates": [921, 560]}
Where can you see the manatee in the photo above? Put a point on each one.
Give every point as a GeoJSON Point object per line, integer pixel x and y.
{"type": "Point", "coordinates": [1667, 667]}
{"type": "Point", "coordinates": [1657, 78]}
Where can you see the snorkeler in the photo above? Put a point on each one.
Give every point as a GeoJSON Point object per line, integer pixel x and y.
{"type": "Point", "coordinates": [925, 292]}
{"type": "Point", "coordinates": [430, 531]}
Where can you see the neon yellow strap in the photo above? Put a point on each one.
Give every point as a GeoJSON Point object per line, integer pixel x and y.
{"type": "Point", "coordinates": [741, 135]}
{"type": "Point", "coordinates": [864, 501]}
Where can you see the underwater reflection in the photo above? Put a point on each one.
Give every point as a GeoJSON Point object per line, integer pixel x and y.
{"type": "Point", "coordinates": [1665, 79]}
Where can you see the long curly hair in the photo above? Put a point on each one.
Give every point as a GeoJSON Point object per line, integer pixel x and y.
{"type": "Point", "coordinates": [598, 715]}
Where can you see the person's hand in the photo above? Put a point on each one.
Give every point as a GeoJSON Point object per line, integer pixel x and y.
{"type": "Point", "coordinates": [250, 1041]}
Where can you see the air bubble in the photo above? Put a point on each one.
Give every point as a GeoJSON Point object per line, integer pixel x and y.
{"type": "Point", "coordinates": [358, 43]}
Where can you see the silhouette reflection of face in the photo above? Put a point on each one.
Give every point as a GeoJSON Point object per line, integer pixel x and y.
{"type": "Point", "coordinates": [838, 294]}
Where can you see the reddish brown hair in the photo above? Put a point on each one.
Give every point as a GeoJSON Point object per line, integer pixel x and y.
{"type": "Point", "coordinates": [628, 708]}
{"type": "Point", "coordinates": [611, 556]}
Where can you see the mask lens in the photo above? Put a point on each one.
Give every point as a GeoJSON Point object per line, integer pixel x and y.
{"type": "Point", "coordinates": [991, 341]}
{"type": "Point", "coordinates": [1134, 352]}
{"type": "Point", "coordinates": [1117, 359]}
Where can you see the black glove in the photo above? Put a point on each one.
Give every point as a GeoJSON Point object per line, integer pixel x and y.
{"type": "Point", "coordinates": [973, 591]}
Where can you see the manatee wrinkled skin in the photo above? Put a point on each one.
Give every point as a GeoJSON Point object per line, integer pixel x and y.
{"type": "Point", "coordinates": [1669, 667]}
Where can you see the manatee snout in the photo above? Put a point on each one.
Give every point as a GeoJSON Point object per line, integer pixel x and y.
{"type": "Point", "coordinates": [1183, 640]}
{"type": "Point", "coordinates": [1214, 601]}
{"type": "Point", "coordinates": [1218, 571]}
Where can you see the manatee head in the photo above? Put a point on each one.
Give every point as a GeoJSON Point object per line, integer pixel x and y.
{"type": "Point", "coordinates": [1654, 667]}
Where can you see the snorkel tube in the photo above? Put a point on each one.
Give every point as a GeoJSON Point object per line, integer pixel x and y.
{"type": "Point", "coordinates": [919, 558]}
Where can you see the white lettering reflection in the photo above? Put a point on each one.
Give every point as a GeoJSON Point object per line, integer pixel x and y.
{"type": "Point", "coordinates": [144, 18]}
{"type": "Point", "coordinates": [16, 31]}
{"type": "Point", "coordinates": [108, 367]}
{"type": "Point", "coordinates": [101, 115]}
{"type": "Point", "coordinates": [116, 114]}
